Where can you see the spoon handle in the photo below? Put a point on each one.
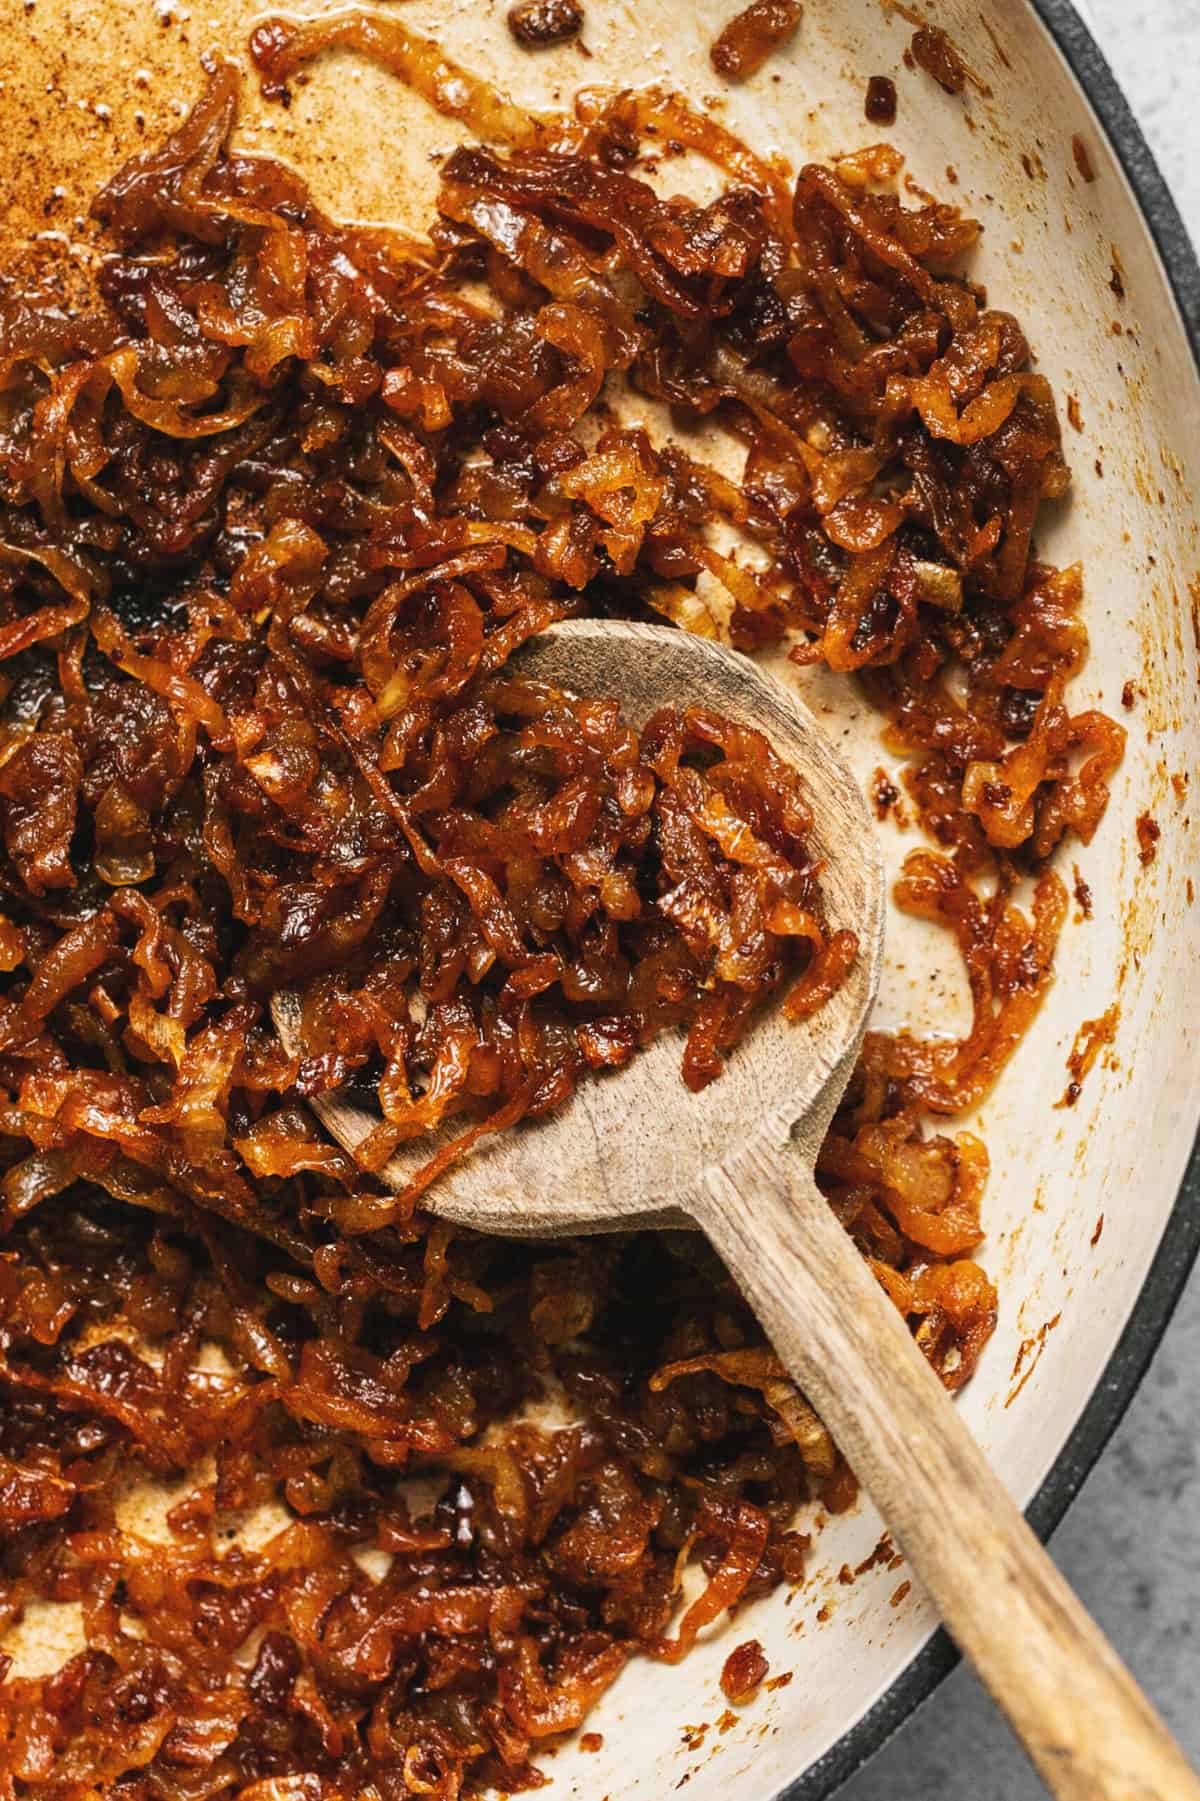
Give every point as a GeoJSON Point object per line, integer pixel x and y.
{"type": "Point", "coordinates": [1082, 1718]}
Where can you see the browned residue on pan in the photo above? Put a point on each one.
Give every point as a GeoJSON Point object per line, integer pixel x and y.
{"type": "Point", "coordinates": [1082, 893]}
{"type": "Point", "coordinates": [1001, 54]}
{"type": "Point", "coordinates": [1193, 589]}
{"type": "Point", "coordinates": [1148, 834]}
{"type": "Point", "coordinates": [1091, 1038]}
{"type": "Point", "coordinates": [884, 1553]}
{"type": "Point", "coordinates": [1083, 161]}
{"type": "Point", "coordinates": [1029, 1356]}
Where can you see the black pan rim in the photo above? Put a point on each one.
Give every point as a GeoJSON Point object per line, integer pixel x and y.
{"type": "Point", "coordinates": [1180, 1243]}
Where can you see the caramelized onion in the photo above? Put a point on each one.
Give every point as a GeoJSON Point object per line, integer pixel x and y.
{"type": "Point", "coordinates": [277, 508]}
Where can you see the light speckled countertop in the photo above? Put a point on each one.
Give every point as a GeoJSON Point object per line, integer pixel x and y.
{"type": "Point", "coordinates": [1130, 1543]}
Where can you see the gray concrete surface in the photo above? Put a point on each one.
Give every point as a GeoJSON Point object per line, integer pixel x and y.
{"type": "Point", "coordinates": [1131, 1542]}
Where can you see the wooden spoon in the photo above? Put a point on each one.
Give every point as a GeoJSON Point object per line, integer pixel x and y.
{"type": "Point", "coordinates": [737, 1160]}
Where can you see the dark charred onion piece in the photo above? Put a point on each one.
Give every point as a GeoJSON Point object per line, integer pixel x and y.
{"type": "Point", "coordinates": [750, 37]}
{"type": "Point", "coordinates": [537, 23]}
{"type": "Point", "coordinates": [274, 515]}
{"type": "Point", "coordinates": [933, 52]}
{"type": "Point", "coordinates": [880, 103]}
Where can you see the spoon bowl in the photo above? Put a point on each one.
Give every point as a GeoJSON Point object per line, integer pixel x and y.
{"type": "Point", "coordinates": [611, 1158]}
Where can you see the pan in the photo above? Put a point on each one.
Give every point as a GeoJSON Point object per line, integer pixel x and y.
{"type": "Point", "coordinates": [1093, 1208]}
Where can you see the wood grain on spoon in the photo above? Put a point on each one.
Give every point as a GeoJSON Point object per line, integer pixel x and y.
{"type": "Point", "coordinates": [737, 1160]}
